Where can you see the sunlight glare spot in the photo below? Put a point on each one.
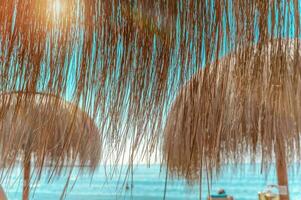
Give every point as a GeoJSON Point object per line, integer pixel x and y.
{"type": "Point", "coordinates": [56, 8]}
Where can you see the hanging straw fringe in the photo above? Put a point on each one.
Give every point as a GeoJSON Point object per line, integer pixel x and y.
{"type": "Point", "coordinates": [55, 135]}
{"type": "Point", "coordinates": [235, 110]}
{"type": "Point", "coordinates": [123, 62]}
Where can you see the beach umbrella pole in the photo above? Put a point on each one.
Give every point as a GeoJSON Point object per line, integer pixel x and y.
{"type": "Point", "coordinates": [281, 168]}
{"type": "Point", "coordinates": [26, 178]}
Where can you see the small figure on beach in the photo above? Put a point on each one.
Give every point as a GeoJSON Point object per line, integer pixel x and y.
{"type": "Point", "coordinates": [221, 191]}
{"type": "Point", "coordinates": [221, 195]}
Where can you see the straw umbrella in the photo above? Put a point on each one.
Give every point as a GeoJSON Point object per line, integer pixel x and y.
{"type": "Point", "coordinates": [48, 132]}
{"type": "Point", "coordinates": [126, 52]}
{"type": "Point", "coordinates": [230, 111]}
{"type": "Point", "coordinates": [127, 57]}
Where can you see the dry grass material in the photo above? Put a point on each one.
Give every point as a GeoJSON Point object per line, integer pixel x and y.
{"type": "Point", "coordinates": [126, 60]}
{"type": "Point", "coordinates": [237, 109]}
{"type": "Point", "coordinates": [54, 134]}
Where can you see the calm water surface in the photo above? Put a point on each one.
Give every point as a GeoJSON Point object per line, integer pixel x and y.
{"type": "Point", "coordinates": [149, 184]}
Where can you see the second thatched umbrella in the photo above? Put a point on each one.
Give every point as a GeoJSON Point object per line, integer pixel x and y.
{"type": "Point", "coordinates": [228, 113]}
{"type": "Point", "coordinates": [47, 131]}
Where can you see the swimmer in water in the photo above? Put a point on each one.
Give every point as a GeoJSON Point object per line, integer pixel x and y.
{"type": "Point", "coordinates": [127, 187]}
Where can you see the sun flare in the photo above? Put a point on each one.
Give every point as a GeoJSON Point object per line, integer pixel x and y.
{"type": "Point", "coordinates": [56, 8]}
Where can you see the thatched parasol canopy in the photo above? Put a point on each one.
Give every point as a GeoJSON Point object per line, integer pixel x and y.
{"type": "Point", "coordinates": [243, 107]}
{"type": "Point", "coordinates": [124, 60]}
{"type": "Point", "coordinates": [48, 131]}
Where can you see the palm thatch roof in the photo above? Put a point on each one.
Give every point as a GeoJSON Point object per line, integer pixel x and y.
{"type": "Point", "coordinates": [47, 130]}
{"type": "Point", "coordinates": [237, 109]}
{"type": "Point", "coordinates": [124, 61]}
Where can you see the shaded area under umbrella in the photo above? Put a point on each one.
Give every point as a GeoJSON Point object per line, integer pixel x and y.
{"type": "Point", "coordinates": [237, 108]}
{"type": "Point", "coordinates": [46, 130]}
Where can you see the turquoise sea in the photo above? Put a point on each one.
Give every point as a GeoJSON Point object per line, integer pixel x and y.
{"type": "Point", "coordinates": [243, 183]}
